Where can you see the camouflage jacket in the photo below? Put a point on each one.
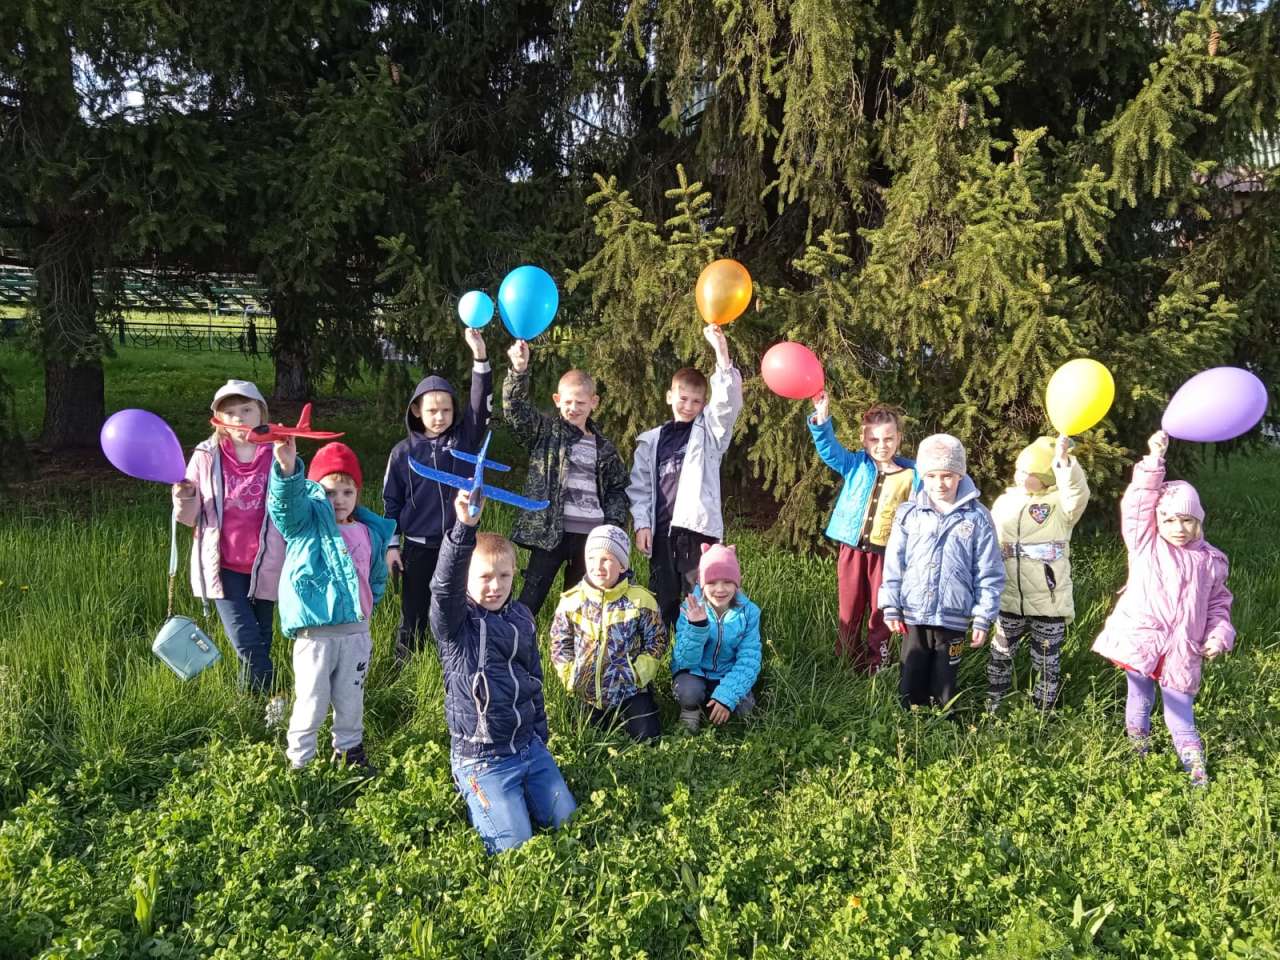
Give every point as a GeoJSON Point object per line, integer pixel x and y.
{"type": "Point", "coordinates": [548, 439]}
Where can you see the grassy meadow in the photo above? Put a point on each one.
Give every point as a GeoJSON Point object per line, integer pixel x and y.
{"type": "Point", "coordinates": [144, 817]}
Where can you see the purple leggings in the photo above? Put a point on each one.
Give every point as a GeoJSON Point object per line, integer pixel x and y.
{"type": "Point", "coordinates": [1177, 712]}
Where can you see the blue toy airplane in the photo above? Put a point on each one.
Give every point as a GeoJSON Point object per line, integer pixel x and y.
{"type": "Point", "coordinates": [475, 483]}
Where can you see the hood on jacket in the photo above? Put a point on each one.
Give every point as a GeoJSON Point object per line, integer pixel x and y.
{"type": "Point", "coordinates": [432, 384]}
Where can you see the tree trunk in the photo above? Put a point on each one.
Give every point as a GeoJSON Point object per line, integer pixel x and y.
{"type": "Point", "coordinates": [291, 350]}
{"type": "Point", "coordinates": [64, 245]}
{"type": "Point", "coordinates": [66, 307]}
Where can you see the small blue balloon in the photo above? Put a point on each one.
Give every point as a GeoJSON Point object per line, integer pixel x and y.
{"type": "Point", "coordinates": [475, 308]}
{"type": "Point", "coordinates": [527, 301]}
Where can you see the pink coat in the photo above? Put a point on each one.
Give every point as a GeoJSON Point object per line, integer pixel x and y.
{"type": "Point", "coordinates": [1176, 599]}
{"type": "Point", "coordinates": [203, 511]}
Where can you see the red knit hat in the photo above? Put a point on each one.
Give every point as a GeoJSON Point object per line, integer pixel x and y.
{"type": "Point", "coordinates": [336, 458]}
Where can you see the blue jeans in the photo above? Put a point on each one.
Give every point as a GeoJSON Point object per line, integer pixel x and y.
{"type": "Point", "coordinates": [248, 622]}
{"type": "Point", "coordinates": [507, 797]}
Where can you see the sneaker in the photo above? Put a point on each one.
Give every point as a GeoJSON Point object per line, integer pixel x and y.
{"type": "Point", "coordinates": [1193, 762]}
{"type": "Point", "coordinates": [276, 712]}
{"type": "Point", "coordinates": [355, 757]}
{"type": "Point", "coordinates": [691, 717]}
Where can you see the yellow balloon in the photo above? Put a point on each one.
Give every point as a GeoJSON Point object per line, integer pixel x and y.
{"type": "Point", "coordinates": [723, 291]}
{"type": "Point", "coordinates": [1080, 393]}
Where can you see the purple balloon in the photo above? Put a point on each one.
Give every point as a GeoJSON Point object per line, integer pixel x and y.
{"type": "Point", "coordinates": [139, 443]}
{"type": "Point", "coordinates": [1216, 405]}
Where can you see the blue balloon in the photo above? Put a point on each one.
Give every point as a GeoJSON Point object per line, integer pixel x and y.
{"type": "Point", "coordinates": [475, 308]}
{"type": "Point", "coordinates": [527, 301]}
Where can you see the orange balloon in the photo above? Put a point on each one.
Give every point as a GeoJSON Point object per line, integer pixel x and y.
{"type": "Point", "coordinates": [723, 291]}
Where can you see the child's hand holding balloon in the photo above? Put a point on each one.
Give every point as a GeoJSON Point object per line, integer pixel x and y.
{"type": "Point", "coordinates": [1062, 453]}
{"type": "Point", "coordinates": [519, 356]}
{"type": "Point", "coordinates": [821, 408]}
{"type": "Point", "coordinates": [715, 336]}
{"type": "Point", "coordinates": [1158, 445]}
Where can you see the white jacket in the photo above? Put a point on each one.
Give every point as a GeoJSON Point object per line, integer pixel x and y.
{"type": "Point", "coordinates": [697, 506]}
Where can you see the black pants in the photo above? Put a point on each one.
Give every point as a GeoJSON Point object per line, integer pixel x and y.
{"type": "Point", "coordinates": [543, 566]}
{"type": "Point", "coordinates": [638, 715]}
{"type": "Point", "coordinates": [930, 656]}
{"type": "Point", "coordinates": [673, 569]}
{"type": "Point", "coordinates": [415, 598]}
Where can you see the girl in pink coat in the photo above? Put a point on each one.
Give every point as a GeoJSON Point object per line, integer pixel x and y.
{"type": "Point", "coordinates": [1175, 609]}
{"type": "Point", "coordinates": [238, 552]}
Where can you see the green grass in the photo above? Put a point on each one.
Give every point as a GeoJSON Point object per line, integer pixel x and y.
{"type": "Point", "coordinates": [144, 817]}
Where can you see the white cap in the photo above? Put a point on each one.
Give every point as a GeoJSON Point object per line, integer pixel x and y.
{"type": "Point", "coordinates": [237, 388]}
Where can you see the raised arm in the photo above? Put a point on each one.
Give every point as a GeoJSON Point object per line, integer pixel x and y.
{"type": "Point", "coordinates": [449, 584]}
{"type": "Point", "coordinates": [287, 500]}
{"type": "Point", "coordinates": [725, 403]}
{"type": "Point", "coordinates": [1073, 487]}
{"type": "Point", "coordinates": [475, 419]}
{"type": "Point", "coordinates": [692, 628]}
{"type": "Point", "coordinates": [831, 450]}
{"type": "Point", "coordinates": [528, 426]}
{"type": "Point", "coordinates": [1138, 505]}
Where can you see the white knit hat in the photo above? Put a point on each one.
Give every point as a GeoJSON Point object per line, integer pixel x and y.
{"type": "Point", "coordinates": [940, 452]}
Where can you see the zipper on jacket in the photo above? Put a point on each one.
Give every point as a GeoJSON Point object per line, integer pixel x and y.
{"type": "Point", "coordinates": [601, 642]}
{"type": "Point", "coordinates": [715, 656]}
{"type": "Point", "coordinates": [1017, 560]}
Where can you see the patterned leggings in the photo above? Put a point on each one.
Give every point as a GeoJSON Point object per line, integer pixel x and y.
{"type": "Point", "coordinates": [1046, 655]}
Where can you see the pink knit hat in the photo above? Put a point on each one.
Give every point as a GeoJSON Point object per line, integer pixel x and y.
{"type": "Point", "coordinates": [1179, 498]}
{"type": "Point", "coordinates": [719, 563]}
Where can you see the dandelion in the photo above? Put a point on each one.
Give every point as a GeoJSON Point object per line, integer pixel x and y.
{"type": "Point", "coordinates": [855, 902]}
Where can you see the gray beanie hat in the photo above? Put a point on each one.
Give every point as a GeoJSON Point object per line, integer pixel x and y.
{"type": "Point", "coordinates": [940, 452]}
{"type": "Point", "coordinates": [611, 538]}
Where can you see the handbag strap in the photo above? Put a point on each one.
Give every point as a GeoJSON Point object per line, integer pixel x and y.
{"type": "Point", "coordinates": [173, 558]}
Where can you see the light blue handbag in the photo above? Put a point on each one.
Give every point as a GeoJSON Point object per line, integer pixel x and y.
{"type": "Point", "coordinates": [183, 646]}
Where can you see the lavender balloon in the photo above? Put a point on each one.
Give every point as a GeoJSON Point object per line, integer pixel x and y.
{"type": "Point", "coordinates": [139, 443]}
{"type": "Point", "coordinates": [1216, 405]}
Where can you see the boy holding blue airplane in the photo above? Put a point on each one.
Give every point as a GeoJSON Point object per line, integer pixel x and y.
{"type": "Point", "coordinates": [421, 507]}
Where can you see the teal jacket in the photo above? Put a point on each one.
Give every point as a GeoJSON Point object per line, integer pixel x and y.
{"type": "Point", "coordinates": [725, 649]}
{"type": "Point", "coordinates": [859, 473]}
{"type": "Point", "coordinates": [319, 586]}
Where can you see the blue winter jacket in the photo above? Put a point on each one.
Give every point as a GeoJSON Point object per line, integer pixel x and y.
{"type": "Point", "coordinates": [726, 649]}
{"type": "Point", "coordinates": [319, 586]}
{"type": "Point", "coordinates": [492, 672]}
{"type": "Point", "coordinates": [859, 473]}
{"type": "Point", "coordinates": [943, 570]}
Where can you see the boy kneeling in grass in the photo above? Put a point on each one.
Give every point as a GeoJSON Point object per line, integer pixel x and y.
{"type": "Point", "coordinates": [493, 702]}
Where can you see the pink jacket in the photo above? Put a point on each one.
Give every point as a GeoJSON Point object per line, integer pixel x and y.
{"type": "Point", "coordinates": [203, 511]}
{"type": "Point", "coordinates": [1176, 599]}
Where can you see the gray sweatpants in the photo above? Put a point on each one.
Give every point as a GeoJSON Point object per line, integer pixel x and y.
{"type": "Point", "coordinates": [329, 666]}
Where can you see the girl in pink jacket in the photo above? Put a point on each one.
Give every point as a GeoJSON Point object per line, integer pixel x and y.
{"type": "Point", "coordinates": [238, 552]}
{"type": "Point", "coordinates": [1175, 609]}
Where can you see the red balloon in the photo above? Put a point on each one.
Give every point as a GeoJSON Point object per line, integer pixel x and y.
{"type": "Point", "coordinates": [791, 370]}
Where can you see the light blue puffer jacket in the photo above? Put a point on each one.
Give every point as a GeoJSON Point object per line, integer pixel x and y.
{"type": "Point", "coordinates": [725, 649]}
{"type": "Point", "coordinates": [943, 570]}
{"type": "Point", "coordinates": [859, 473]}
{"type": "Point", "coordinates": [319, 585]}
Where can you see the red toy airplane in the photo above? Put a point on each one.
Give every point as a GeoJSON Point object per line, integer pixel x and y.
{"type": "Point", "coordinates": [271, 432]}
